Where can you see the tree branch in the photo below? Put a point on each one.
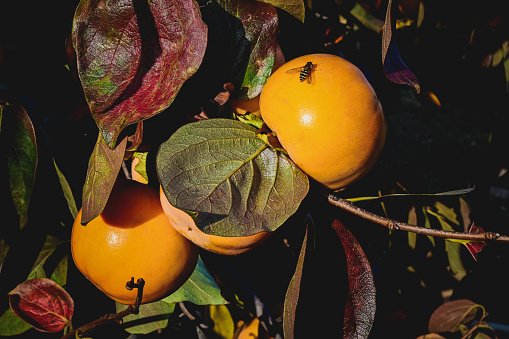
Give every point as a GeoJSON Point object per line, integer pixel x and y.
{"type": "Point", "coordinates": [396, 225]}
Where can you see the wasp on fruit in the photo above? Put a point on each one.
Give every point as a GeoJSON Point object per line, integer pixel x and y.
{"type": "Point", "coordinates": [305, 71]}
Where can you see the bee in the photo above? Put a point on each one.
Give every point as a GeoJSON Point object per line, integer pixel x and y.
{"type": "Point", "coordinates": [305, 71]}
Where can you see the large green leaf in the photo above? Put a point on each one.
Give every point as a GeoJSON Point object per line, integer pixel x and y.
{"type": "Point", "coordinates": [259, 22]}
{"type": "Point", "coordinates": [237, 184]}
{"type": "Point", "coordinates": [11, 324]}
{"type": "Point", "coordinates": [17, 141]}
{"type": "Point", "coordinates": [200, 289]}
{"type": "Point", "coordinates": [133, 57]}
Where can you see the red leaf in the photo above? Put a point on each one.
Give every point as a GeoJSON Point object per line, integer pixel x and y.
{"type": "Point", "coordinates": [361, 304]}
{"type": "Point", "coordinates": [394, 67]}
{"type": "Point", "coordinates": [43, 304]}
{"type": "Point", "coordinates": [475, 247]}
{"type": "Point", "coordinates": [133, 57]}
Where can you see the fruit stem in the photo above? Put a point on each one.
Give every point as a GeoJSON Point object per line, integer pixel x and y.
{"type": "Point", "coordinates": [109, 318]}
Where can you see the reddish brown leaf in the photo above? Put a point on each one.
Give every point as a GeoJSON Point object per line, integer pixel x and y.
{"type": "Point", "coordinates": [361, 304]}
{"type": "Point", "coordinates": [394, 67]}
{"type": "Point", "coordinates": [133, 57]}
{"type": "Point", "coordinates": [474, 247]}
{"type": "Point", "coordinates": [450, 315]}
{"type": "Point", "coordinates": [43, 304]}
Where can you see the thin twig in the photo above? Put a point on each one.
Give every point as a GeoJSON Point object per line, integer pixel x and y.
{"type": "Point", "coordinates": [397, 225]}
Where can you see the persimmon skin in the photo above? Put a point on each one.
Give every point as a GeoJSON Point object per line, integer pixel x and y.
{"type": "Point", "coordinates": [333, 128]}
{"type": "Point", "coordinates": [185, 224]}
{"type": "Point", "coordinates": [132, 238]}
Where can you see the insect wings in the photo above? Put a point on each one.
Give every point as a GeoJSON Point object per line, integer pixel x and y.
{"type": "Point", "coordinates": [304, 71]}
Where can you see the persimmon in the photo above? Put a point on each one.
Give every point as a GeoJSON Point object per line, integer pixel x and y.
{"type": "Point", "coordinates": [327, 118]}
{"type": "Point", "coordinates": [185, 224]}
{"type": "Point", "coordinates": [132, 238]}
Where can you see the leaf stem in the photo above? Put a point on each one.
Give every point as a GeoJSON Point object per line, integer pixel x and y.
{"type": "Point", "coordinates": [397, 225]}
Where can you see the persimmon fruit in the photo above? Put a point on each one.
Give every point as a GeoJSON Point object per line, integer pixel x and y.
{"type": "Point", "coordinates": [332, 127]}
{"type": "Point", "coordinates": [133, 238]}
{"type": "Point", "coordinates": [185, 224]}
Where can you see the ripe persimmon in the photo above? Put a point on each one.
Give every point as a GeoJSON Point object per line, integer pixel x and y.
{"type": "Point", "coordinates": [132, 238]}
{"type": "Point", "coordinates": [185, 224]}
{"type": "Point", "coordinates": [332, 126]}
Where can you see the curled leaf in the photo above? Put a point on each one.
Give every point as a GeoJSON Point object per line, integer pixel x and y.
{"type": "Point", "coordinates": [43, 304]}
{"type": "Point", "coordinates": [235, 183]}
{"type": "Point", "coordinates": [394, 67]}
{"type": "Point", "coordinates": [449, 316]}
{"type": "Point", "coordinates": [133, 57]}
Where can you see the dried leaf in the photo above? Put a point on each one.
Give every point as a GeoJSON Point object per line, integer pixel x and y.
{"type": "Point", "coordinates": [103, 168]}
{"type": "Point", "coordinates": [133, 57]}
{"type": "Point", "coordinates": [43, 304]}
{"type": "Point", "coordinates": [394, 67]}
{"type": "Point", "coordinates": [17, 139]}
{"type": "Point", "coordinates": [474, 247]}
{"type": "Point", "coordinates": [449, 316]}
{"type": "Point", "coordinates": [412, 220]}
{"type": "Point", "coordinates": [360, 310]}
{"type": "Point", "coordinates": [237, 184]}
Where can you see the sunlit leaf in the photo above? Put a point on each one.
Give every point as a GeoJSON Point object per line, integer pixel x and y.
{"type": "Point", "coordinates": [43, 304]}
{"type": "Point", "coordinates": [361, 304]}
{"type": "Point", "coordinates": [293, 292]}
{"type": "Point", "coordinates": [447, 212]}
{"type": "Point", "coordinates": [260, 22]}
{"type": "Point", "coordinates": [222, 320]}
{"type": "Point", "coordinates": [133, 57]}
{"type": "Point", "coordinates": [17, 140]}
{"type": "Point", "coordinates": [449, 316]}
{"type": "Point", "coordinates": [103, 167]}
{"type": "Point", "coordinates": [67, 191]}
{"type": "Point", "coordinates": [237, 184]}
{"type": "Point", "coordinates": [141, 165]}
{"type": "Point", "coordinates": [394, 67]}
{"type": "Point", "coordinates": [11, 324]}
{"type": "Point", "coordinates": [151, 317]}
{"type": "Point", "coordinates": [200, 289]}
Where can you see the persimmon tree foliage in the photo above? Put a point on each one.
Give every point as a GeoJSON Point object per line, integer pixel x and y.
{"type": "Point", "coordinates": [155, 78]}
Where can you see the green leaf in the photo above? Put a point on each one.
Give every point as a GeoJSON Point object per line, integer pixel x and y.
{"type": "Point", "coordinates": [141, 166]}
{"type": "Point", "coordinates": [47, 250]}
{"type": "Point", "coordinates": [447, 212]}
{"type": "Point", "coordinates": [151, 317]}
{"type": "Point", "coordinates": [11, 324]}
{"type": "Point", "coordinates": [67, 191]}
{"type": "Point", "coordinates": [4, 248]}
{"type": "Point", "coordinates": [103, 167]}
{"type": "Point", "coordinates": [59, 275]}
{"type": "Point", "coordinates": [200, 289]}
{"type": "Point", "coordinates": [133, 57]}
{"type": "Point", "coordinates": [17, 140]}
{"type": "Point", "coordinates": [406, 195]}
{"type": "Point", "coordinates": [236, 183]}
{"type": "Point", "coordinates": [260, 23]}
